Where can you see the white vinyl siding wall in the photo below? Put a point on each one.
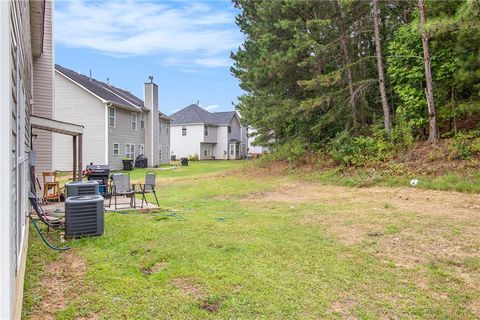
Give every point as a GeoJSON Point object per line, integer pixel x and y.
{"type": "Point", "coordinates": [184, 146]}
{"type": "Point", "coordinates": [75, 104]}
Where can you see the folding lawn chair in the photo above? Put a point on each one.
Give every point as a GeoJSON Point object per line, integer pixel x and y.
{"type": "Point", "coordinates": [121, 187]}
{"type": "Point", "coordinates": [148, 187]}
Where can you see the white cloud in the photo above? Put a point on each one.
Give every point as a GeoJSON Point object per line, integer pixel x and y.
{"type": "Point", "coordinates": [212, 107]}
{"type": "Point", "coordinates": [194, 32]}
{"type": "Point", "coordinates": [213, 62]}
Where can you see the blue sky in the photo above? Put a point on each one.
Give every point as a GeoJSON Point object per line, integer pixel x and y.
{"type": "Point", "coordinates": [185, 45]}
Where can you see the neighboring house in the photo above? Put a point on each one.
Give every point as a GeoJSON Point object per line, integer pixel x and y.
{"type": "Point", "coordinates": [210, 135]}
{"type": "Point", "coordinates": [117, 124]}
{"type": "Point", "coordinates": [254, 149]}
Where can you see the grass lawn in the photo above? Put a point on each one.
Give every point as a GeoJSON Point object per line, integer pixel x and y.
{"type": "Point", "coordinates": [244, 244]}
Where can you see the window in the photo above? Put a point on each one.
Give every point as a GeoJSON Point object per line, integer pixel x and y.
{"type": "Point", "coordinates": [229, 129]}
{"type": "Point", "coordinates": [184, 130]}
{"type": "Point", "coordinates": [160, 126]}
{"type": "Point", "coordinates": [134, 121]}
{"type": "Point", "coordinates": [116, 149]}
{"type": "Point", "coordinates": [168, 128]}
{"type": "Point", "coordinates": [160, 152]}
{"type": "Point", "coordinates": [111, 117]}
{"type": "Point", "coordinates": [129, 151]}
{"type": "Point", "coordinates": [205, 129]}
{"type": "Point", "coordinates": [142, 120]}
{"type": "Point", "coordinates": [141, 149]}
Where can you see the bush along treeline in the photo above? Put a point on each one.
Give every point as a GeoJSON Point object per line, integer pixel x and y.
{"type": "Point", "coordinates": [359, 80]}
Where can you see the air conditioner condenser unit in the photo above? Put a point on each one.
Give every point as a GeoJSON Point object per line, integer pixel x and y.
{"type": "Point", "coordinates": [84, 216]}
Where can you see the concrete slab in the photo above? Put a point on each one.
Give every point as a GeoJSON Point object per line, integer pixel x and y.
{"type": "Point", "coordinates": [123, 203]}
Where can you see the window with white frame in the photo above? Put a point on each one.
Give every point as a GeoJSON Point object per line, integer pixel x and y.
{"type": "Point", "coordinates": [160, 155]}
{"type": "Point", "coordinates": [141, 149]}
{"type": "Point", "coordinates": [129, 151]}
{"type": "Point", "coordinates": [111, 117]}
{"type": "Point", "coordinates": [134, 121]}
{"type": "Point", "coordinates": [184, 130]}
{"type": "Point", "coordinates": [142, 120]}
{"type": "Point", "coordinates": [205, 130]}
{"type": "Point", "coordinates": [168, 128]}
{"type": "Point", "coordinates": [229, 129]}
{"type": "Point", "coordinates": [116, 149]}
{"type": "Point", "coordinates": [160, 126]}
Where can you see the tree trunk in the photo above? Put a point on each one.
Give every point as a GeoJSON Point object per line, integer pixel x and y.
{"type": "Point", "coordinates": [433, 136]}
{"type": "Point", "coordinates": [346, 58]}
{"type": "Point", "coordinates": [381, 76]}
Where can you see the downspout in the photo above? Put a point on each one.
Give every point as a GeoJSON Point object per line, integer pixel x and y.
{"type": "Point", "coordinates": [107, 105]}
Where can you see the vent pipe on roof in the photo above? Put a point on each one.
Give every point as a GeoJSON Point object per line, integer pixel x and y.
{"type": "Point", "coordinates": [90, 75]}
{"type": "Point", "coordinates": [108, 81]}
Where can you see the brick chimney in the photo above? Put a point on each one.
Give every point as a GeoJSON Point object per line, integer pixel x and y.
{"type": "Point", "coordinates": [150, 94]}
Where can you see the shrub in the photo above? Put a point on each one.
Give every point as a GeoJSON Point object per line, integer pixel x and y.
{"type": "Point", "coordinates": [294, 151]}
{"type": "Point", "coordinates": [462, 146]}
{"type": "Point", "coordinates": [360, 150]}
{"type": "Point", "coordinates": [402, 133]}
{"type": "Point", "coordinates": [193, 157]}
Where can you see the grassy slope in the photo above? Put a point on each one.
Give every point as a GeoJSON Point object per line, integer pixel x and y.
{"type": "Point", "coordinates": [253, 259]}
{"type": "Point", "coordinates": [367, 177]}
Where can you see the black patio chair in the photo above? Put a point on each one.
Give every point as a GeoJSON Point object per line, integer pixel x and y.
{"type": "Point", "coordinates": [54, 220]}
{"type": "Point", "coordinates": [121, 187]}
{"type": "Point", "coordinates": [148, 186]}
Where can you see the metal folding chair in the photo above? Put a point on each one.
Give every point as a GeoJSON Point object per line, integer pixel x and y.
{"type": "Point", "coordinates": [149, 186]}
{"type": "Point", "coordinates": [121, 187]}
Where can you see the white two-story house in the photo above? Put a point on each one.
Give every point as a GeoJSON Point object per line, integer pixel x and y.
{"type": "Point", "coordinates": [210, 135]}
{"type": "Point", "coordinates": [117, 124]}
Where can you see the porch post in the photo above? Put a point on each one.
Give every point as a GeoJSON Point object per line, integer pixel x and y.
{"type": "Point", "coordinates": [74, 172]}
{"type": "Point", "coordinates": [80, 156]}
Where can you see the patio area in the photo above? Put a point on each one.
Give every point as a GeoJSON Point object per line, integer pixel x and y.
{"type": "Point", "coordinates": [123, 203]}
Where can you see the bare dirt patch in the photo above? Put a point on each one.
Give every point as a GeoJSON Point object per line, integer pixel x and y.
{"type": "Point", "coordinates": [409, 226]}
{"type": "Point", "coordinates": [61, 279]}
{"type": "Point", "coordinates": [211, 306]}
{"type": "Point", "coordinates": [189, 286]}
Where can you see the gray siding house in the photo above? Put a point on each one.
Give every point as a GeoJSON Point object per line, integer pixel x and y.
{"type": "Point", "coordinates": [210, 135]}
{"type": "Point", "coordinates": [117, 124]}
{"type": "Point", "coordinates": [26, 71]}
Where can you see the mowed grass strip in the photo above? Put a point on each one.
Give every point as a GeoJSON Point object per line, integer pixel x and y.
{"type": "Point", "coordinates": [237, 246]}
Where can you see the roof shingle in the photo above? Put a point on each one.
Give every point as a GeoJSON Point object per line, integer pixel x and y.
{"type": "Point", "coordinates": [104, 91]}
{"type": "Point", "coordinates": [194, 114]}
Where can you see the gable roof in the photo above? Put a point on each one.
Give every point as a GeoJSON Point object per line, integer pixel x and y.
{"type": "Point", "coordinates": [102, 90]}
{"type": "Point", "coordinates": [194, 114]}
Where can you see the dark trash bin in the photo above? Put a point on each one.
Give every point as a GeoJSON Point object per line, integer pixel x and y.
{"type": "Point", "coordinates": [173, 157]}
{"type": "Point", "coordinates": [184, 161]}
{"type": "Point", "coordinates": [127, 164]}
{"type": "Point", "coordinates": [141, 161]}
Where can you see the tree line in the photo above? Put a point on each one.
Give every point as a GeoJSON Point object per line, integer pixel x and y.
{"type": "Point", "coordinates": [314, 70]}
